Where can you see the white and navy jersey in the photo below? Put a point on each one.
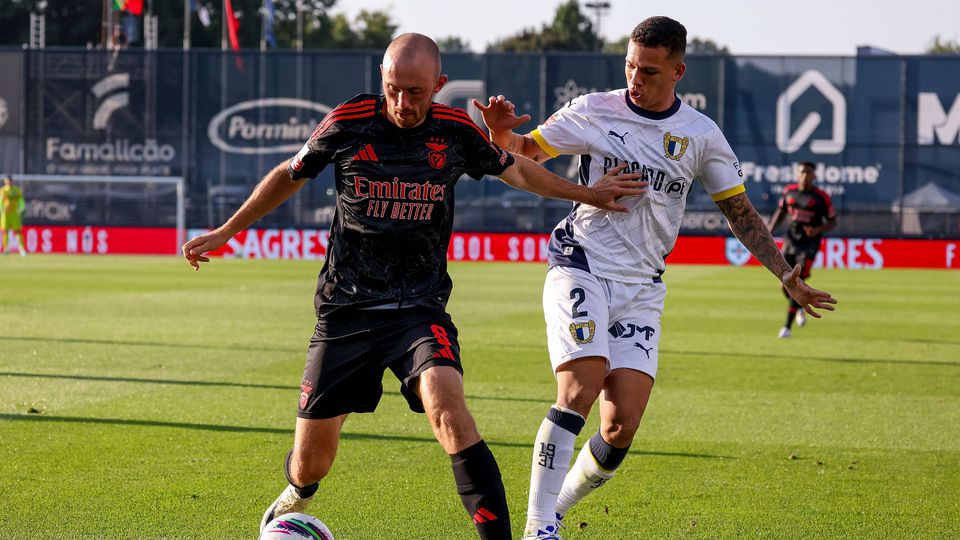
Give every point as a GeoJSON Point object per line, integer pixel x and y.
{"type": "Point", "coordinates": [670, 149]}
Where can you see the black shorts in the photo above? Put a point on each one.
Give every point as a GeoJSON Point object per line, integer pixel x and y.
{"type": "Point", "coordinates": [349, 352]}
{"type": "Point", "coordinates": [802, 253]}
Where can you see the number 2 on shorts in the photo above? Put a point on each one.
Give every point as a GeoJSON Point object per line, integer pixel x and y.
{"type": "Point", "coordinates": [578, 296]}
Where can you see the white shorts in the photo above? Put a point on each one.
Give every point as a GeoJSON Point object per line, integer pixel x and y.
{"type": "Point", "coordinates": [588, 315]}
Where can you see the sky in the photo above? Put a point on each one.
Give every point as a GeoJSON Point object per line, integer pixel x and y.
{"type": "Point", "coordinates": [810, 27]}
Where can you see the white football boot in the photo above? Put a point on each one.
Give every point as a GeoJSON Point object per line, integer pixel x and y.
{"type": "Point", "coordinates": [800, 318]}
{"type": "Point", "coordinates": [784, 332]}
{"type": "Point", "coordinates": [288, 501]}
{"type": "Point", "coordinates": [549, 532]}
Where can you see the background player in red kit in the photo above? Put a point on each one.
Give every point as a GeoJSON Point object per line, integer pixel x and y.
{"type": "Point", "coordinates": [382, 292]}
{"type": "Point", "coordinates": [811, 214]}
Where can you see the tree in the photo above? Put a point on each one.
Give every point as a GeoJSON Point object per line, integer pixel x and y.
{"type": "Point", "coordinates": [315, 20]}
{"type": "Point", "coordinates": [617, 47]}
{"type": "Point", "coordinates": [706, 47]}
{"type": "Point", "coordinates": [570, 30]}
{"type": "Point", "coordinates": [946, 46]}
{"type": "Point", "coordinates": [453, 44]}
{"type": "Point", "coordinates": [374, 29]}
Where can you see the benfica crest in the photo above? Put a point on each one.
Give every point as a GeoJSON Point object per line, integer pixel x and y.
{"type": "Point", "coordinates": [674, 147]}
{"type": "Point", "coordinates": [436, 157]}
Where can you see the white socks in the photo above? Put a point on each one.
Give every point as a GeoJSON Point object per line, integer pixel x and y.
{"type": "Point", "coordinates": [596, 463]}
{"type": "Point", "coordinates": [552, 452]}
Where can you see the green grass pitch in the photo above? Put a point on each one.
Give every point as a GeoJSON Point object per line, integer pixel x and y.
{"type": "Point", "coordinates": [139, 399]}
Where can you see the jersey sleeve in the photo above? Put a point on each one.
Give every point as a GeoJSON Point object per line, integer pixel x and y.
{"type": "Point", "coordinates": [782, 203]}
{"type": "Point", "coordinates": [719, 170]}
{"type": "Point", "coordinates": [563, 132]}
{"type": "Point", "coordinates": [831, 212]}
{"type": "Point", "coordinates": [483, 156]}
{"type": "Point", "coordinates": [331, 133]}
{"type": "Point", "coordinates": [316, 153]}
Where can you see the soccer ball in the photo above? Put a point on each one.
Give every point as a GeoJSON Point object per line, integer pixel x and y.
{"type": "Point", "coordinates": [294, 527]}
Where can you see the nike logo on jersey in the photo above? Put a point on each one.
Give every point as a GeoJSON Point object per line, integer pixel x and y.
{"type": "Point", "coordinates": [366, 154]}
{"type": "Point", "coordinates": [617, 135]}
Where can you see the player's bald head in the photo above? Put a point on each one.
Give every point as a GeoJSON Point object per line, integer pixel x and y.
{"type": "Point", "coordinates": [413, 50]}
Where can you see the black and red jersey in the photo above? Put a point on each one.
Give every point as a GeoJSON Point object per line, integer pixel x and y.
{"type": "Point", "coordinates": [812, 207]}
{"type": "Point", "coordinates": [394, 206]}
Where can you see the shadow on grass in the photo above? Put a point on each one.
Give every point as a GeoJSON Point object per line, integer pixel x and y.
{"type": "Point", "coordinates": [285, 431]}
{"type": "Point", "coordinates": [945, 363]}
{"type": "Point", "coordinates": [934, 341]}
{"type": "Point", "coordinates": [204, 346]}
{"type": "Point", "coordinates": [102, 378]}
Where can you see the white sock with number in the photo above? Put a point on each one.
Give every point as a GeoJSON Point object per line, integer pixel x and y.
{"type": "Point", "coordinates": [552, 452]}
{"type": "Point", "coordinates": [596, 463]}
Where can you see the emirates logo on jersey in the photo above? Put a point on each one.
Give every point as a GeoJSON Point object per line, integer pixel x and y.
{"type": "Point", "coordinates": [436, 158]}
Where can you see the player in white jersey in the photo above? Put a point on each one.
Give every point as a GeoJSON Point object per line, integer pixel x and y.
{"type": "Point", "coordinates": [603, 295]}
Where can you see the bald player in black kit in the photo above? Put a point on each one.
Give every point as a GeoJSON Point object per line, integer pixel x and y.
{"type": "Point", "coordinates": [382, 292]}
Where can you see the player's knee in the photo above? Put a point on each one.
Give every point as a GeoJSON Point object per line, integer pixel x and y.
{"type": "Point", "coordinates": [579, 396]}
{"type": "Point", "coordinates": [452, 419]}
{"type": "Point", "coordinates": [621, 430]}
{"type": "Point", "coordinates": [453, 427]}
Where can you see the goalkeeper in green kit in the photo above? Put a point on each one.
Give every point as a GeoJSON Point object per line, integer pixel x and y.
{"type": "Point", "coordinates": [11, 207]}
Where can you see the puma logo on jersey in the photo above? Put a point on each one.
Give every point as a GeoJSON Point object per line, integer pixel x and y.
{"type": "Point", "coordinates": [617, 135]}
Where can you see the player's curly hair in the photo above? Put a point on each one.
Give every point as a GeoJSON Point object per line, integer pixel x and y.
{"type": "Point", "coordinates": [661, 32]}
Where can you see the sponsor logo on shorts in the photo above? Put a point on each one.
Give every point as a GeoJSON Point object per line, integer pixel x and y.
{"type": "Point", "coordinates": [583, 332]}
{"type": "Point", "coordinates": [627, 331]}
{"type": "Point", "coordinates": [644, 349]}
{"type": "Point", "coordinates": [632, 331]}
{"type": "Point", "coordinates": [440, 333]}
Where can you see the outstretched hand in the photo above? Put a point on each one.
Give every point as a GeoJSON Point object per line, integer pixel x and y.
{"type": "Point", "coordinates": [805, 295]}
{"type": "Point", "coordinates": [500, 115]}
{"type": "Point", "coordinates": [195, 250]}
{"type": "Point", "coordinates": [614, 185]}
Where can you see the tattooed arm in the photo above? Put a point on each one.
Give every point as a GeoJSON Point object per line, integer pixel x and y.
{"type": "Point", "coordinates": [749, 228]}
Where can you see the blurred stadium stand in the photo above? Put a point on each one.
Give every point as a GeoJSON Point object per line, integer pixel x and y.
{"type": "Point", "coordinates": [883, 129]}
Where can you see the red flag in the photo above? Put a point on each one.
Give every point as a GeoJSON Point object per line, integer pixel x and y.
{"type": "Point", "coordinates": [232, 24]}
{"type": "Point", "coordinates": [134, 7]}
